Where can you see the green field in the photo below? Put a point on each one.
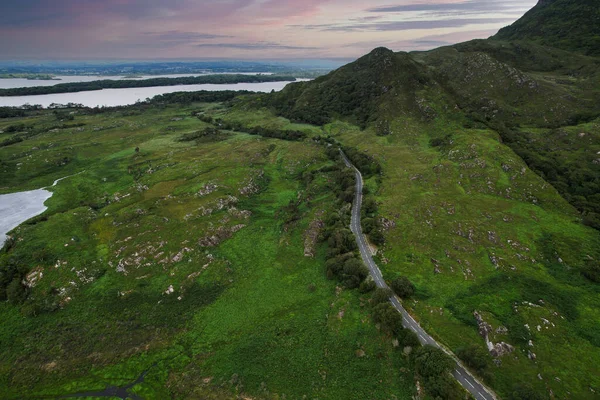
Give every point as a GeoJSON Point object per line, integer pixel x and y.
{"type": "Point", "coordinates": [250, 316]}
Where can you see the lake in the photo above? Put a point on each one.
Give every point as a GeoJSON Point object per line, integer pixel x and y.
{"type": "Point", "coordinates": [22, 82]}
{"type": "Point", "coordinates": [124, 97]}
{"type": "Point", "coordinates": [16, 208]}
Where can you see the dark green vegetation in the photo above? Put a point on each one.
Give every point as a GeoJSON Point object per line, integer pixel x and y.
{"type": "Point", "coordinates": [566, 24]}
{"type": "Point", "coordinates": [33, 77]}
{"type": "Point", "coordinates": [434, 367]}
{"type": "Point", "coordinates": [137, 83]}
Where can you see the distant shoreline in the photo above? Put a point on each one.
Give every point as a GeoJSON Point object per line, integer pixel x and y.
{"type": "Point", "coordinates": [137, 83]}
{"type": "Point", "coordinates": [30, 77]}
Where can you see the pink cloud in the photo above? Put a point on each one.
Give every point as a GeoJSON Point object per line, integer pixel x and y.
{"type": "Point", "coordinates": [230, 28]}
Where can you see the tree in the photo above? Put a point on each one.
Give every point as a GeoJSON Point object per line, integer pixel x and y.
{"type": "Point", "coordinates": [474, 357]}
{"type": "Point", "coordinates": [431, 361]}
{"type": "Point", "coordinates": [390, 319]}
{"type": "Point", "coordinates": [443, 387]}
{"type": "Point", "coordinates": [369, 206]}
{"type": "Point", "coordinates": [381, 296]}
{"type": "Point", "coordinates": [403, 287]}
{"type": "Point", "coordinates": [377, 237]}
{"type": "Point", "coordinates": [367, 286]}
{"type": "Point", "coordinates": [410, 338]}
{"type": "Point", "coordinates": [16, 292]}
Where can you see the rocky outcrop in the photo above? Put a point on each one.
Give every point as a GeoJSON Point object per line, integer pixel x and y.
{"type": "Point", "coordinates": [221, 234]}
{"type": "Point", "coordinates": [311, 236]}
{"type": "Point", "coordinates": [485, 329]}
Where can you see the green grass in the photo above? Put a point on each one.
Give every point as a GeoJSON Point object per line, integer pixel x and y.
{"type": "Point", "coordinates": [250, 316]}
{"type": "Point", "coordinates": [460, 205]}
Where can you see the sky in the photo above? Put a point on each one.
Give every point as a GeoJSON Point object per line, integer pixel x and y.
{"type": "Point", "coordinates": [241, 29]}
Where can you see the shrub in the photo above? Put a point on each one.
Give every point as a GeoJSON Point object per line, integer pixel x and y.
{"type": "Point", "coordinates": [403, 287]}
{"type": "Point", "coordinates": [410, 339]}
{"type": "Point", "coordinates": [381, 296]}
{"type": "Point", "coordinates": [474, 357]}
{"type": "Point", "coordinates": [431, 361]}
{"type": "Point", "coordinates": [367, 286]}
{"type": "Point", "coordinates": [16, 292]}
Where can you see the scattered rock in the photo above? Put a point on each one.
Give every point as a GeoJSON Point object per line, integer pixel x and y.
{"type": "Point", "coordinates": [207, 189]}
{"type": "Point", "coordinates": [311, 236]}
{"type": "Point", "coordinates": [51, 366]}
{"type": "Point", "coordinates": [502, 330]}
{"type": "Point", "coordinates": [387, 224]}
{"type": "Point", "coordinates": [485, 329]}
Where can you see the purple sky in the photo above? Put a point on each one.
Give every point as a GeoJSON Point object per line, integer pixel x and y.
{"type": "Point", "coordinates": [241, 29]}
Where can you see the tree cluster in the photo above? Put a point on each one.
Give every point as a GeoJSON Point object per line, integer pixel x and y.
{"type": "Point", "coordinates": [476, 358]}
{"type": "Point", "coordinates": [366, 164]}
{"type": "Point", "coordinates": [434, 367]}
{"type": "Point", "coordinates": [11, 112]}
{"type": "Point", "coordinates": [403, 287]}
{"type": "Point", "coordinates": [11, 282]}
{"type": "Point", "coordinates": [206, 135]}
{"type": "Point", "coordinates": [283, 134]}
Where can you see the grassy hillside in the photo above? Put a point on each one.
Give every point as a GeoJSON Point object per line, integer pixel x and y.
{"type": "Point", "coordinates": [565, 24]}
{"type": "Point", "coordinates": [193, 248]}
{"type": "Point", "coordinates": [489, 195]}
{"type": "Point", "coordinates": [180, 260]}
{"type": "Point", "coordinates": [476, 230]}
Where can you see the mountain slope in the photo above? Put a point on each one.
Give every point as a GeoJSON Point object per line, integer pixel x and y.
{"type": "Point", "coordinates": [357, 91]}
{"type": "Point", "coordinates": [480, 151]}
{"type": "Point", "coordinates": [567, 24]}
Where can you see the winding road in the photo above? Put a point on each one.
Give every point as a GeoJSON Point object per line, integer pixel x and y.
{"type": "Point", "coordinates": [460, 373]}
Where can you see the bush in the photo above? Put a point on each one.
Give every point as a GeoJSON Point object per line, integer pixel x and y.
{"type": "Point", "coordinates": [434, 366]}
{"type": "Point", "coordinates": [443, 387]}
{"type": "Point", "coordinates": [439, 142]}
{"type": "Point", "coordinates": [381, 296]}
{"type": "Point", "coordinates": [389, 318]}
{"type": "Point", "coordinates": [16, 292]}
{"type": "Point", "coordinates": [367, 286]}
{"type": "Point", "coordinates": [376, 237]}
{"type": "Point", "coordinates": [403, 287]}
{"type": "Point", "coordinates": [431, 362]}
{"type": "Point", "coordinates": [474, 357]}
{"type": "Point", "coordinates": [410, 338]}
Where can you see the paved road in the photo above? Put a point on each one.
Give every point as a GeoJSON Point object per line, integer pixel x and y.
{"type": "Point", "coordinates": [464, 377]}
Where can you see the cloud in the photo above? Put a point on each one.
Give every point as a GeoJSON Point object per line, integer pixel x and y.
{"type": "Point", "coordinates": [255, 46]}
{"type": "Point", "coordinates": [215, 28]}
{"type": "Point", "coordinates": [387, 26]}
{"type": "Point", "coordinates": [470, 6]}
{"type": "Point", "coordinates": [32, 13]}
{"type": "Point", "coordinates": [183, 37]}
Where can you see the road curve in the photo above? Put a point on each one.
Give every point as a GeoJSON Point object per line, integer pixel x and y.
{"type": "Point", "coordinates": [460, 373]}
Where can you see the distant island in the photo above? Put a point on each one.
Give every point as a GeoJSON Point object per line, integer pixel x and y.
{"type": "Point", "coordinates": [30, 77]}
{"type": "Point", "coordinates": [130, 83]}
